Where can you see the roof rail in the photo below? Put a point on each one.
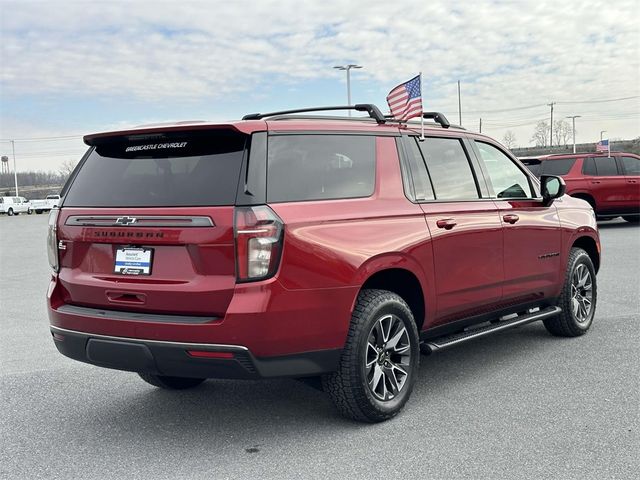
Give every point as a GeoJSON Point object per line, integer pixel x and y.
{"type": "Point", "coordinates": [373, 111]}
{"type": "Point", "coordinates": [438, 118]}
{"type": "Point", "coordinates": [435, 116]}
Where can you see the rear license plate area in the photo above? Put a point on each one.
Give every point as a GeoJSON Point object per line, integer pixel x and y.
{"type": "Point", "coordinates": [133, 261]}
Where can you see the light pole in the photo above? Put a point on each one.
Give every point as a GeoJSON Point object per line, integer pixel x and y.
{"type": "Point", "coordinates": [551, 126]}
{"type": "Point", "coordinates": [15, 171]}
{"type": "Point", "coordinates": [348, 68]}
{"type": "Point", "coordinates": [601, 132]}
{"type": "Point", "coordinates": [573, 130]}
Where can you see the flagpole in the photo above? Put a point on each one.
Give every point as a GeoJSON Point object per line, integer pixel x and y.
{"type": "Point", "coordinates": [609, 148]}
{"type": "Point", "coordinates": [421, 111]}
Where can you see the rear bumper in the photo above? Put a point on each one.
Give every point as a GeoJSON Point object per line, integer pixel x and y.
{"type": "Point", "coordinates": [264, 317]}
{"type": "Point", "coordinates": [172, 358]}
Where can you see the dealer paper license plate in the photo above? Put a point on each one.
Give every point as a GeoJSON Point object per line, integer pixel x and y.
{"type": "Point", "coordinates": [133, 261]}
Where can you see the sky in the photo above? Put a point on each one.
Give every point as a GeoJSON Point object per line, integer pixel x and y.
{"type": "Point", "coordinates": [71, 68]}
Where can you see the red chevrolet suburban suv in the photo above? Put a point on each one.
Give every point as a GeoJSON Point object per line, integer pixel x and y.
{"type": "Point", "coordinates": [611, 184]}
{"type": "Point", "coordinates": [307, 246]}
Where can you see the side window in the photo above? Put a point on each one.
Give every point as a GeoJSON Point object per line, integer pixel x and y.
{"type": "Point", "coordinates": [507, 179]}
{"type": "Point", "coordinates": [320, 167]}
{"type": "Point", "coordinates": [449, 168]}
{"type": "Point", "coordinates": [420, 177]}
{"type": "Point", "coordinates": [605, 166]}
{"type": "Point", "coordinates": [557, 167]}
{"type": "Point", "coordinates": [631, 165]}
{"type": "Point", "coordinates": [589, 167]}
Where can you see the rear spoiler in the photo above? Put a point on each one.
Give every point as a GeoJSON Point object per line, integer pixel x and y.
{"type": "Point", "coordinates": [242, 127]}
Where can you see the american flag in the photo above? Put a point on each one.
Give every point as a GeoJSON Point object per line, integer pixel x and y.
{"type": "Point", "coordinates": [405, 101]}
{"type": "Point", "coordinates": [602, 146]}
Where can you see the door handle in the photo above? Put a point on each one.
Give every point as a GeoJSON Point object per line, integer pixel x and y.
{"type": "Point", "coordinates": [632, 181]}
{"type": "Point", "coordinates": [511, 218]}
{"type": "Point", "coordinates": [594, 181]}
{"type": "Point", "coordinates": [446, 223]}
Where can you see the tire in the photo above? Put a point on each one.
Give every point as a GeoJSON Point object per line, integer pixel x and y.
{"type": "Point", "coordinates": [379, 318]}
{"type": "Point", "coordinates": [38, 212]}
{"type": "Point", "coordinates": [171, 383]}
{"type": "Point", "coordinates": [632, 218]}
{"type": "Point", "coordinates": [10, 212]}
{"type": "Point", "coordinates": [578, 298]}
{"type": "Point", "coordinates": [29, 212]}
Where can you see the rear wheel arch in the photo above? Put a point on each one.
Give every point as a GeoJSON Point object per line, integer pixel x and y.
{"type": "Point", "coordinates": [404, 283]}
{"type": "Point", "coordinates": [589, 245]}
{"type": "Point", "coordinates": [586, 197]}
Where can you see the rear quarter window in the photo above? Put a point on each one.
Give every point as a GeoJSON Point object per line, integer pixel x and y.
{"type": "Point", "coordinates": [560, 166]}
{"type": "Point", "coordinates": [320, 167]}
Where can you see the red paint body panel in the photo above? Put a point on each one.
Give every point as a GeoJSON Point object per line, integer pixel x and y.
{"type": "Point", "coordinates": [467, 258]}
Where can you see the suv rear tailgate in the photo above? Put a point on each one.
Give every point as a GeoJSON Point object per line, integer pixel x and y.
{"type": "Point", "coordinates": [161, 206]}
{"type": "Point", "coordinates": [192, 271]}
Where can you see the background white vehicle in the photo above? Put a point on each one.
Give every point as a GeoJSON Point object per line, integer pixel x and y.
{"type": "Point", "coordinates": [14, 205]}
{"type": "Point", "coordinates": [45, 205]}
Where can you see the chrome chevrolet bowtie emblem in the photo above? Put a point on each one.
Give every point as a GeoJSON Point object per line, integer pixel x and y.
{"type": "Point", "coordinates": [126, 220]}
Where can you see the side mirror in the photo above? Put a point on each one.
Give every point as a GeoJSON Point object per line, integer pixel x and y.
{"type": "Point", "coordinates": [551, 187]}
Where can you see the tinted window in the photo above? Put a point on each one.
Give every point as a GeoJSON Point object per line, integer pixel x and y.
{"type": "Point", "coordinates": [631, 165]}
{"type": "Point", "coordinates": [589, 167]}
{"type": "Point", "coordinates": [420, 177]}
{"type": "Point", "coordinates": [533, 165]}
{"type": "Point", "coordinates": [181, 169]}
{"type": "Point", "coordinates": [507, 179]}
{"type": "Point", "coordinates": [320, 167]}
{"type": "Point", "coordinates": [605, 166]}
{"type": "Point", "coordinates": [560, 166]}
{"type": "Point", "coordinates": [449, 169]}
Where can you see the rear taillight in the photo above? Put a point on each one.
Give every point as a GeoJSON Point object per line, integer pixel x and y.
{"type": "Point", "coordinates": [259, 233]}
{"type": "Point", "coordinates": [52, 239]}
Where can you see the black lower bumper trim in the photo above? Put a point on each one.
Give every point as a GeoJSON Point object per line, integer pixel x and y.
{"type": "Point", "coordinates": [172, 359]}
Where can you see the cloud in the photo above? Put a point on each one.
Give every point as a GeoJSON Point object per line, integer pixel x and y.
{"type": "Point", "coordinates": [194, 49]}
{"type": "Point", "coordinates": [507, 53]}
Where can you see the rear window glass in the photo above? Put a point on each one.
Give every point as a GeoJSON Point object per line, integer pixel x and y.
{"type": "Point", "coordinates": [449, 169]}
{"type": "Point", "coordinates": [320, 167]}
{"type": "Point", "coordinates": [606, 166]}
{"type": "Point", "coordinates": [631, 165]}
{"type": "Point", "coordinates": [560, 166]}
{"type": "Point", "coordinates": [534, 166]}
{"type": "Point", "coordinates": [421, 181]}
{"type": "Point", "coordinates": [161, 170]}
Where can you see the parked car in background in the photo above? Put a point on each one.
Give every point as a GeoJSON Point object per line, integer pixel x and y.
{"type": "Point", "coordinates": [281, 245]}
{"type": "Point", "coordinates": [46, 204]}
{"type": "Point", "coordinates": [14, 206]}
{"type": "Point", "coordinates": [611, 185]}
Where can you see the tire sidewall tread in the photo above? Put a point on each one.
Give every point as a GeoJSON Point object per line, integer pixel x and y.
{"type": "Point", "coordinates": [565, 324]}
{"type": "Point", "coordinates": [347, 386]}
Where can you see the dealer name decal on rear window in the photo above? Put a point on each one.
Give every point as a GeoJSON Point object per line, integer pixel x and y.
{"type": "Point", "coordinates": [156, 146]}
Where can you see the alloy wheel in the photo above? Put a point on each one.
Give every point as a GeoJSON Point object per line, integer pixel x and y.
{"type": "Point", "coordinates": [387, 357]}
{"type": "Point", "coordinates": [581, 293]}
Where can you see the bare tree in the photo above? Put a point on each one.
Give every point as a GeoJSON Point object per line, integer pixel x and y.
{"type": "Point", "coordinates": [541, 134]}
{"type": "Point", "coordinates": [509, 139]}
{"type": "Point", "coordinates": [67, 167]}
{"type": "Point", "coordinates": [562, 132]}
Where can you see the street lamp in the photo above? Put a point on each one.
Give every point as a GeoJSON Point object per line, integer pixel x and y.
{"type": "Point", "coordinates": [348, 68]}
{"type": "Point", "coordinates": [573, 129]}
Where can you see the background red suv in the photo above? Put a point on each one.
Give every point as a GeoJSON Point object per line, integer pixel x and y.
{"type": "Point", "coordinates": [611, 185]}
{"type": "Point", "coordinates": [288, 246]}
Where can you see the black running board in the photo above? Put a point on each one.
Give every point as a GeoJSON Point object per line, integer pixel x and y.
{"type": "Point", "coordinates": [446, 341]}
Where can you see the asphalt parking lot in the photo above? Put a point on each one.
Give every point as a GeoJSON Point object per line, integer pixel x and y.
{"type": "Point", "coordinates": [520, 404]}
